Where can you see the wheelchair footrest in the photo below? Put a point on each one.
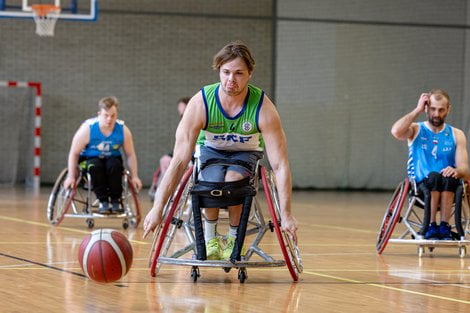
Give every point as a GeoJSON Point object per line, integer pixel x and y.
{"type": "Point", "coordinates": [99, 215]}
{"type": "Point", "coordinates": [220, 263]}
{"type": "Point", "coordinates": [432, 243]}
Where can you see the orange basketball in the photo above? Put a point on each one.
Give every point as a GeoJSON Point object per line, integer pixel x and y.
{"type": "Point", "coordinates": [105, 255]}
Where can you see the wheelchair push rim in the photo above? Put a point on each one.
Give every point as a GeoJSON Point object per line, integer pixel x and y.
{"type": "Point", "coordinates": [288, 247]}
{"type": "Point", "coordinates": [166, 223]}
{"type": "Point", "coordinates": [60, 200]}
{"type": "Point", "coordinates": [134, 216]}
{"type": "Point", "coordinates": [392, 215]}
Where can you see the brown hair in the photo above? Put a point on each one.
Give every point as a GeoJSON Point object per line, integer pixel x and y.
{"type": "Point", "coordinates": [108, 102]}
{"type": "Point", "coordinates": [185, 100]}
{"type": "Point", "coordinates": [439, 94]}
{"type": "Point", "coordinates": [231, 51]}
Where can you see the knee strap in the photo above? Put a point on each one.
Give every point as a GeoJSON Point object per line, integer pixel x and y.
{"type": "Point", "coordinates": [201, 253]}
{"type": "Point", "coordinates": [458, 210]}
{"type": "Point", "coordinates": [241, 231]}
{"type": "Point", "coordinates": [221, 194]}
{"type": "Point", "coordinates": [427, 208]}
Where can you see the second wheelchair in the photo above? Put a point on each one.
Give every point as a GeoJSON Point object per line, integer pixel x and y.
{"type": "Point", "coordinates": [81, 202]}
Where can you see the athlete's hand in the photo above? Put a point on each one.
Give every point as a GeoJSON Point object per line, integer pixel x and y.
{"type": "Point", "coordinates": [137, 183]}
{"type": "Point", "coordinates": [289, 225]}
{"type": "Point", "coordinates": [152, 220]}
{"type": "Point", "coordinates": [449, 172]}
{"type": "Point", "coordinates": [423, 102]}
{"type": "Point", "coordinates": [69, 182]}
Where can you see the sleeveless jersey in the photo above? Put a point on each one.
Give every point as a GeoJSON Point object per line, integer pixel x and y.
{"type": "Point", "coordinates": [238, 133]}
{"type": "Point", "coordinates": [430, 152]}
{"type": "Point", "coordinates": [101, 145]}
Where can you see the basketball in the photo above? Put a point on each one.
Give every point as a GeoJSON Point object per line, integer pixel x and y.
{"type": "Point", "coordinates": [105, 255]}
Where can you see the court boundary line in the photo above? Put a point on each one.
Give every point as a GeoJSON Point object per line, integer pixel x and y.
{"type": "Point", "coordinates": [388, 287]}
{"type": "Point", "coordinates": [19, 220]}
{"type": "Point", "coordinates": [41, 264]}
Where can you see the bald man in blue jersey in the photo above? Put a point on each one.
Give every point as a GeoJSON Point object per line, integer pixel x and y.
{"type": "Point", "coordinates": [437, 156]}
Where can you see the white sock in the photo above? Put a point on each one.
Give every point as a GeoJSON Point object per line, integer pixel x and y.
{"type": "Point", "coordinates": [232, 231]}
{"type": "Point", "coordinates": [210, 228]}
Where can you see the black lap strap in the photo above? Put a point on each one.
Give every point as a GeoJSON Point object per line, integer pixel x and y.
{"type": "Point", "coordinates": [222, 194]}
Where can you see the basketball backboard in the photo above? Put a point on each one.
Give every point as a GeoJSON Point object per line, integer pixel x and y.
{"type": "Point", "coordinates": [81, 10]}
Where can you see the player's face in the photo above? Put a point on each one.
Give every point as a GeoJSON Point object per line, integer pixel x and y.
{"type": "Point", "coordinates": [108, 117]}
{"type": "Point", "coordinates": [437, 111]}
{"type": "Point", "coordinates": [234, 77]}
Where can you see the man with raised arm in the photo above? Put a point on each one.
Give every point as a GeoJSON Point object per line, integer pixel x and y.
{"type": "Point", "coordinates": [437, 156]}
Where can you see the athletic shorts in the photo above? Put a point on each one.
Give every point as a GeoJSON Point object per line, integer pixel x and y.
{"type": "Point", "coordinates": [216, 173]}
{"type": "Point", "coordinates": [436, 182]}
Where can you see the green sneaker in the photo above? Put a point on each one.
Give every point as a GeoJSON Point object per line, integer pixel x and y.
{"type": "Point", "coordinates": [227, 252]}
{"type": "Point", "coordinates": [213, 249]}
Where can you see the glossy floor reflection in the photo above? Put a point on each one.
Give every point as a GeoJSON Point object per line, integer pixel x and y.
{"type": "Point", "coordinates": [342, 273]}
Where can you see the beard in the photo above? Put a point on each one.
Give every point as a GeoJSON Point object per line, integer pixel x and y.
{"type": "Point", "coordinates": [436, 121]}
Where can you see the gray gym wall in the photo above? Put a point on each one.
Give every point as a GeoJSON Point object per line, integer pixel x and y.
{"type": "Point", "coordinates": [346, 70]}
{"type": "Point", "coordinates": [343, 72]}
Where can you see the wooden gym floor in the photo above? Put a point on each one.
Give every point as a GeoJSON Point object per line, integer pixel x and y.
{"type": "Point", "coordinates": [39, 271]}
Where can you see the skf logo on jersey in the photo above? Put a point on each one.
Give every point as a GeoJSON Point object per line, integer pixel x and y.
{"type": "Point", "coordinates": [232, 138]}
{"type": "Point", "coordinates": [247, 126]}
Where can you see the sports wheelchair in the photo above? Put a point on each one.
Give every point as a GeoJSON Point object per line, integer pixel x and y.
{"type": "Point", "coordinates": [182, 213]}
{"type": "Point", "coordinates": [417, 218]}
{"type": "Point", "coordinates": [84, 204]}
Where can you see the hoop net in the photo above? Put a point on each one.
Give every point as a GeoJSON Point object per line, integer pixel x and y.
{"type": "Point", "coordinates": [45, 16]}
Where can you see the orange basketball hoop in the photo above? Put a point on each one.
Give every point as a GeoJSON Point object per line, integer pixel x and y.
{"type": "Point", "coordinates": [45, 16]}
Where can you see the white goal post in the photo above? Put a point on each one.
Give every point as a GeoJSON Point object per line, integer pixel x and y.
{"type": "Point", "coordinates": [37, 96]}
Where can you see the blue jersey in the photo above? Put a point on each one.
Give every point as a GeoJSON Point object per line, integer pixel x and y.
{"type": "Point", "coordinates": [101, 145]}
{"type": "Point", "coordinates": [430, 152]}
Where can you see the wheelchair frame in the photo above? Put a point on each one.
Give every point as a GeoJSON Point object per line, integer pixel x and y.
{"type": "Point", "coordinates": [177, 214]}
{"type": "Point", "coordinates": [155, 180]}
{"type": "Point", "coordinates": [414, 223]}
{"type": "Point", "coordinates": [82, 200]}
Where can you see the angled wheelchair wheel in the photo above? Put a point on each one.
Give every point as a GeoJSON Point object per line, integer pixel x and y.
{"type": "Point", "coordinates": [163, 235]}
{"type": "Point", "coordinates": [60, 200]}
{"type": "Point", "coordinates": [131, 202]}
{"type": "Point", "coordinates": [392, 215]}
{"type": "Point", "coordinates": [288, 246]}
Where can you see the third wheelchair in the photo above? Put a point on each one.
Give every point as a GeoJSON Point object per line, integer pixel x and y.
{"type": "Point", "coordinates": [416, 218]}
{"type": "Point", "coordinates": [81, 202]}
